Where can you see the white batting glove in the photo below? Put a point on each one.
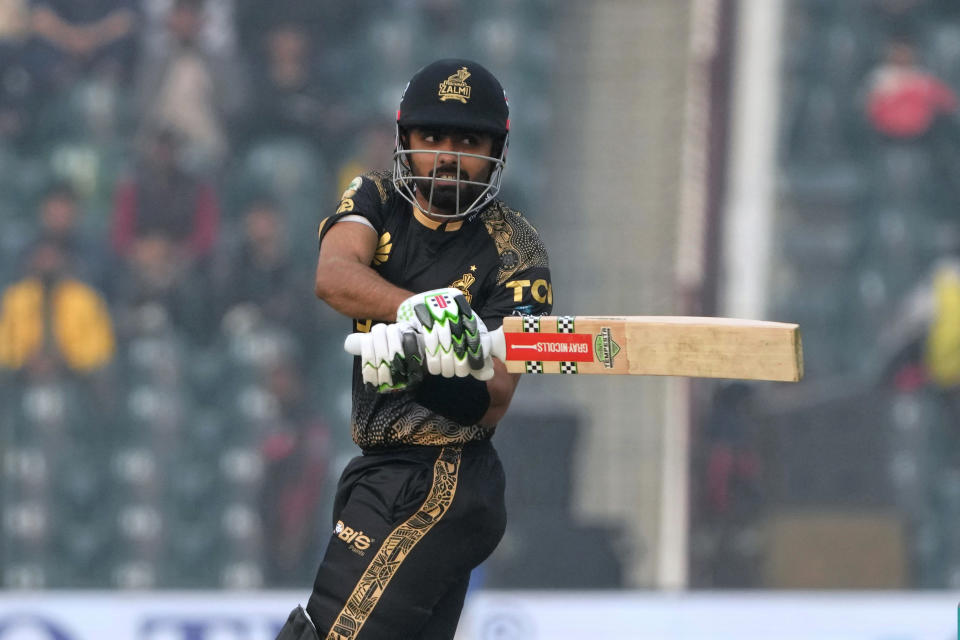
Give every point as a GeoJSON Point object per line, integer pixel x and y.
{"type": "Point", "coordinates": [455, 340]}
{"type": "Point", "coordinates": [390, 356]}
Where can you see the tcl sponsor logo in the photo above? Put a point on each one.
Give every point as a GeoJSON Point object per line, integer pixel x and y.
{"type": "Point", "coordinates": [357, 540]}
{"type": "Point", "coordinates": [540, 290]}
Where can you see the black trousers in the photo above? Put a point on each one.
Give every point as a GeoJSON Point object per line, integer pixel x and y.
{"type": "Point", "coordinates": [409, 526]}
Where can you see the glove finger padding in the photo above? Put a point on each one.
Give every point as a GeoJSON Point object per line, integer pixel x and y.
{"type": "Point", "coordinates": [382, 353]}
{"type": "Point", "coordinates": [391, 358]}
{"type": "Point", "coordinates": [470, 325]}
{"type": "Point", "coordinates": [486, 371]}
{"type": "Point", "coordinates": [413, 357]}
{"type": "Point", "coordinates": [474, 344]}
{"type": "Point", "coordinates": [398, 365]}
{"type": "Point", "coordinates": [478, 343]}
{"type": "Point", "coordinates": [445, 351]}
{"type": "Point", "coordinates": [368, 361]}
{"type": "Point", "coordinates": [452, 333]}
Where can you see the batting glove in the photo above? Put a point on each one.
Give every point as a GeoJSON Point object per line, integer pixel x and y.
{"type": "Point", "coordinates": [455, 340]}
{"type": "Point", "coordinates": [390, 356]}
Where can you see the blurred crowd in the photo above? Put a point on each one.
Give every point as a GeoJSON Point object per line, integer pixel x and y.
{"type": "Point", "coordinates": [867, 246]}
{"type": "Point", "coordinates": [164, 363]}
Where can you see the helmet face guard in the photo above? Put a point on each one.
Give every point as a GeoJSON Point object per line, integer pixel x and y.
{"type": "Point", "coordinates": [463, 96]}
{"type": "Point", "coordinates": [471, 195]}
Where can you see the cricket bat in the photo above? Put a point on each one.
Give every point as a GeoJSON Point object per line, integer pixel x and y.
{"type": "Point", "coordinates": [688, 346]}
{"type": "Point", "coordinates": [698, 347]}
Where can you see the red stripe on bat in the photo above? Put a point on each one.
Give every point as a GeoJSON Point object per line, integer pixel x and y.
{"type": "Point", "coordinates": [550, 347]}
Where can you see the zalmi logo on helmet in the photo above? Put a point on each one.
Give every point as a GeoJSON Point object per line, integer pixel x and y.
{"type": "Point", "coordinates": [455, 87]}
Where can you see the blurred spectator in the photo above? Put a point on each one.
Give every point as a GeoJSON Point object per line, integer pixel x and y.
{"type": "Point", "coordinates": [732, 487]}
{"type": "Point", "coordinates": [253, 17]}
{"type": "Point", "coordinates": [79, 37]}
{"type": "Point", "coordinates": [732, 473]}
{"type": "Point", "coordinates": [909, 106]}
{"type": "Point", "coordinates": [291, 93]}
{"type": "Point", "coordinates": [14, 21]}
{"type": "Point", "coordinates": [442, 17]}
{"type": "Point", "coordinates": [58, 219]}
{"type": "Point", "coordinates": [297, 451]}
{"type": "Point", "coordinates": [17, 96]}
{"type": "Point", "coordinates": [163, 199]}
{"type": "Point", "coordinates": [261, 273]}
{"type": "Point", "coordinates": [373, 151]}
{"type": "Point", "coordinates": [17, 91]}
{"type": "Point", "coordinates": [893, 15]}
{"type": "Point", "coordinates": [941, 344]}
{"type": "Point", "coordinates": [188, 88]}
{"type": "Point", "coordinates": [218, 32]}
{"type": "Point", "coordinates": [904, 101]}
{"type": "Point", "coordinates": [155, 280]}
{"type": "Point", "coordinates": [52, 316]}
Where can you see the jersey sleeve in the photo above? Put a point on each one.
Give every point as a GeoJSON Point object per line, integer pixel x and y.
{"type": "Point", "coordinates": [528, 293]}
{"type": "Point", "coordinates": [364, 197]}
{"type": "Point", "coordinates": [522, 285]}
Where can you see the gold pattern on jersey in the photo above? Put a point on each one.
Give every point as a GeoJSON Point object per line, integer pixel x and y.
{"type": "Point", "coordinates": [517, 242]}
{"type": "Point", "coordinates": [455, 87]}
{"type": "Point", "coordinates": [384, 181]}
{"type": "Point", "coordinates": [464, 285]}
{"type": "Point", "coordinates": [397, 546]}
{"type": "Point", "coordinates": [384, 246]}
{"type": "Point", "coordinates": [410, 424]}
{"type": "Point", "coordinates": [345, 205]}
{"type": "Point", "coordinates": [362, 326]}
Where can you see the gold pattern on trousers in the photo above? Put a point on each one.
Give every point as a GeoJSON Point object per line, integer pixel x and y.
{"type": "Point", "coordinates": [397, 546]}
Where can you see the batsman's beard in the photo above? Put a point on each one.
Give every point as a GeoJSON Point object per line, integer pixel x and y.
{"type": "Point", "coordinates": [443, 197]}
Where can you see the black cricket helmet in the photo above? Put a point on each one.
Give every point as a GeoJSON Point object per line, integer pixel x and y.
{"type": "Point", "coordinates": [452, 94]}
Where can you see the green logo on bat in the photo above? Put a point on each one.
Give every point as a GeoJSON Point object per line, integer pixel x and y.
{"type": "Point", "coordinates": [605, 348]}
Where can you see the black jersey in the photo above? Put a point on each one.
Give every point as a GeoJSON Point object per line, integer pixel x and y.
{"type": "Point", "coordinates": [496, 258]}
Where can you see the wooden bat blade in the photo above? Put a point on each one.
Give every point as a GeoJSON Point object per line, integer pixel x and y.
{"type": "Point", "coordinates": [651, 345]}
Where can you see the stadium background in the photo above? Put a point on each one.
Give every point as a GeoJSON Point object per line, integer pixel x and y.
{"type": "Point", "coordinates": [714, 157]}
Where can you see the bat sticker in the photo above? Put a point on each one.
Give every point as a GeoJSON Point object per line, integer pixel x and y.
{"type": "Point", "coordinates": [551, 347]}
{"type": "Point", "coordinates": [605, 347]}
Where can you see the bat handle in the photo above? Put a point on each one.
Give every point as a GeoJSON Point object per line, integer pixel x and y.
{"type": "Point", "coordinates": [498, 344]}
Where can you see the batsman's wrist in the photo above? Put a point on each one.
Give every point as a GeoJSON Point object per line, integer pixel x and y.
{"type": "Point", "coordinates": [463, 400]}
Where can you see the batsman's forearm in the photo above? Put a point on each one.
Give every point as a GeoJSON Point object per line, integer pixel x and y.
{"type": "Point", "coordinates": [501, 388]}
{"type": "Point", "coordinates": [357, 291]}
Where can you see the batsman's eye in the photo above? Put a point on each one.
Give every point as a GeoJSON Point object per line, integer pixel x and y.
{"type": "Point", "coordinates": [431, 137]}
